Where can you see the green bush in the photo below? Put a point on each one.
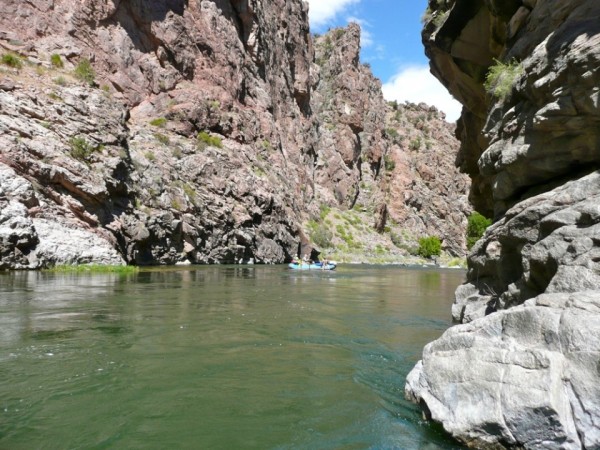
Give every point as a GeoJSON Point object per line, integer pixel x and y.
{"type": "Point", "coordinates": [80, 148]}
{"type": "Point", "coordinates": [205, 139]}
{"type": "Point", "coordinates": [389, 163]}
{"type": "Point", "coordinates": [12, 60]}
{"type": "Point", "coordinates": [477, 224]}
{"type": "Point", "coordinates": [321, 236]}
{"type": "Point", "coordinates": [56, 61]}
{"type": "Point", "coordinates": [429, 246]}
{"type": "Point", "coordinates": [501, 78]}
{"type": "Point", "coordinates": [319, 233]}
{"type": "Point", "coordinates": [415, 144]}
{"type": "Point", "coordinates": [391, 133]}
{"type": "Point", "coordinates": [85, 72]}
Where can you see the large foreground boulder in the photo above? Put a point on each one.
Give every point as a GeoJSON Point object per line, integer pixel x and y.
{"type": "Point", "coordinates": [526, 377]}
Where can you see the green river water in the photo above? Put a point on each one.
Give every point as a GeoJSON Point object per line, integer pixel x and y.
{"type": "Point", "coordinates": [218, 357]}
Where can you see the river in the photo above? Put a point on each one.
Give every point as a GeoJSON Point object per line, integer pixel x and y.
{"type": "Point", "coordinates": [218, 357]}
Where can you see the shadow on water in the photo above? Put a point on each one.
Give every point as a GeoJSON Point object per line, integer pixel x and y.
{"type": "Point", "coordinates": [182, 357]}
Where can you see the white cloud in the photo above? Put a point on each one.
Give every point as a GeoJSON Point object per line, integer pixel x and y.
{"type": "Point", "coordinates": [415, 84]}
{"type": "Point", "coordinates": [321, 12]}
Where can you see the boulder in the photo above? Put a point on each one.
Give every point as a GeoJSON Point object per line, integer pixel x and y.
{"type": "Point", "coordinates": [521, 378]}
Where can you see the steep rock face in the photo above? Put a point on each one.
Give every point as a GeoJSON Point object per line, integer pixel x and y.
{"type": "Point", "coordinates": [351, 113]}
{"type": "Point", "coordinates": [125, 162]}
{"type": "Point", "coordinates": [426, 195]}
{"type": "Point", "coordinates": [206, 132]}
{"type": "Point", "coordinates": [395, 161]}
{"type": "Point", "coordinates": [532, 152]}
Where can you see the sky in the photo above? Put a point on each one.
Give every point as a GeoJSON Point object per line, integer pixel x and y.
{"type": "Point", "coordinates": [391, 44]}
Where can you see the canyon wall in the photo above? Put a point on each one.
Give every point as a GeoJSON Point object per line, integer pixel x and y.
{"type": "Point", "coordinates": [178, 132]}
{"type": "Point", "coordinates": [522, 371]}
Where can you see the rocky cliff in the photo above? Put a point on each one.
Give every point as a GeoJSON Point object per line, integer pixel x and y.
{"type": "Point", "coordinates": [392, 165]}
{"type": "Point", "coordinates": [189, 142]}
{"type": "Point", "coordinates": [194, 132]}
{"type": "Point", "coordinates": [523, 369]}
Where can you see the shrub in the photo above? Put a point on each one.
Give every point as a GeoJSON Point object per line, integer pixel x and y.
{"type": "Point", "coordinates": [61, 81]}
{"type": "Point", "coordinates": [266, 145]}
{"type": "Point", "coordinates": [177, 153]}
{"type": "Point", "coordinates": [164, 140]}
{"type": "Point", "coordinates": [392, 133]}
{"type": "Point", "coordinates": [12, 60]}
{"type": "Point", "coordinates": [501, 78]}
{"type": "Point", "coordinates": [389, 163]}
{"type": "Point", "coordinates": [205, 139]}
{"type": "Point", "coordinates": [85, 72]}
{"type": "Point", "coordinates": [321, 235]}
{"type": "Point", "coordinates": [189, 191]}
{"type": "Point", "coordinates": [159, 122]}
{"type": "Point", "coordinates": [415, 144]}
{"type": "Point", "coordinates": [477, 224]}
{"type": "Point", "coordinates": [429, 246]}
{"type": "Point", "coordinates": [80, 148]}
{"type": "Point", "coordinates": [56, 61]}
{"type": "Point", "coordinates": [338, 33]}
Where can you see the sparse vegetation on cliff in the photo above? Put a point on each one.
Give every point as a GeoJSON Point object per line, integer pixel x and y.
{"type": "Point", "coordinates": [56, 61]}
{"type": "Point", "coordinates": [159, 122]}
{"type": "Point", "coordinates": [206, 140]}
{"type": "Point", "coordinates": [12, 60]}
{"type": "Point", "coordinates": [81, 149]}
{"type": "Point", "coordinates": [85, 72]}
{"type": "Point", "coordinates": [501, 78]}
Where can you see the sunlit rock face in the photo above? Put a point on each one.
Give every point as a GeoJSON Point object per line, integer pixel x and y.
{"type": "Point", "coordinates": [397, 160]}
{"type": "Point", "coordinates": [192, 143]}
{"type": "Point", "coordinates": [532, 152]}
{"type": "Point", "coordinates": [206, 132]}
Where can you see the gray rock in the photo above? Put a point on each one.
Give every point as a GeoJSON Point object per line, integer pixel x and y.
{"type": "Point", "coordinates": [530, 302]}
{"type": "Point", "coordinates": [61, 245]}
{"type": "Point", "coordinates": [530, 380]}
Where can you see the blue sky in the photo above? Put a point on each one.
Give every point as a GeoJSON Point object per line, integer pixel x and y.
{"type": "Point", "coordinates": [391, 44]}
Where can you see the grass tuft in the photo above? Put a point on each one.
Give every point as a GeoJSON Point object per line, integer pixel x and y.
{"type": "Point", "coordinates": [12, 60]}
{"type": "Point", "coordinates": [56, 61]}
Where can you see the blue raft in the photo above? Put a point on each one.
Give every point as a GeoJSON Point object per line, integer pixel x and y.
{"type": "Point", "coordinates": [330, 265]}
